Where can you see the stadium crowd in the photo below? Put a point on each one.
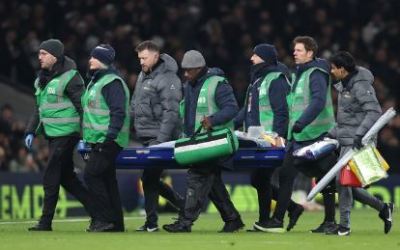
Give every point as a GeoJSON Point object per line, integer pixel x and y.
{"type": "Point", "coordinates": [225, 31]}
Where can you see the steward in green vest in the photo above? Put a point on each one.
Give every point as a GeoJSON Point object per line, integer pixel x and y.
{"type": "Point", "coordinates": [58, 93]}
{"type": "Point", "coordinates": [310, 118]}
{"type": "Point", "coordinates": [98, 117]}
{"type": "Point", "coordinates": [310, 102]}
{"type": "Point", "coordinates": [265, 105]}
{"type": "Point", "coordinates": [208, 102]}
{"type": "Point", "coordinates": [265, 102]}
{"type": "Point", "coordinates": [59, 88]}
{"type": "Point", "coordinates": [106, 128]}
{"type": "Point", "coordinates": [311, 109]}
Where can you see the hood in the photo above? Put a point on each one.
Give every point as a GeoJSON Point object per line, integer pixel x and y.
{"type": "Point", "coordinates": [317, 62]}
{"type": "Point", "coordinates": [262, 69]}
{"type": "Point", "coordinates": [321, 63]}
{"type": "Point", "coordinates": [168, 64]}
{"type": "Point", "coordinates": [96, 75]}
{"type": "Point", "coordinates": [206, 73]}
{"type": "Point", "coordinates": [284, 69]}
{"type": "Point", "coordinates": [215, 72]}
{"type": "Point", "coordinates": [68, 64]}
{"type": "Point", "coordinates": [363, 75]}
{"type": "Point", "coordinates": [61, 67]}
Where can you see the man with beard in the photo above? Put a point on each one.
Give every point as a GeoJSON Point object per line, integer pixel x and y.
{"type": "Point", "coordinates": [155, 115]}
{"type": "Point", "coordinates": [59, 88]}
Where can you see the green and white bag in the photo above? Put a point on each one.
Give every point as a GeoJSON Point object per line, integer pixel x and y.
{"type": "Point", "coordinates": [205, 146]}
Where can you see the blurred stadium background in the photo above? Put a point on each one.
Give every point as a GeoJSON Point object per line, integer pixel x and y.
{"type": "Point", "coordinates": [224, 30]}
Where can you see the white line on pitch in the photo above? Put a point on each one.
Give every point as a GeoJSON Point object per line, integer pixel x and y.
{"type": "Point", "coordinates": [61, 220]}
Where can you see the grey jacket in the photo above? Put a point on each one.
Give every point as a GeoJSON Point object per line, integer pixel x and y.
{"type": "Point", "coordinates": [358, 107]}
{"type": "Point", "coordinates": [155, 102]}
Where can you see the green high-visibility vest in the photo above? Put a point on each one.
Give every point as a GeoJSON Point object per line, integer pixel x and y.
{"type": "Point", "coordinates": [58, 116]}
{"type": "Point", "coordinates": [298, 101]}
{"type": "Point", "coordinates": [96, 115]}
{"type": "Point", "coordinates": [206, 104]}
{"type": "Point", "coordinates": [264, 106]}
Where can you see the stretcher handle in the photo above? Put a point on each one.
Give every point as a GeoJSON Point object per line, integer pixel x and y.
{"type": "Point", "coordinates": [198, 130]}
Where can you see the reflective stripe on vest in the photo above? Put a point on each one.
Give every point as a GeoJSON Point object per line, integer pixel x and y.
{"type": "Point", "coordinates": [58, 115]}
{"type": "Point", "coordinates": [96, 115]}
{"type": "Point", "coordinates": [299, 99]}
{"type": "Point", "coordinates": [265, 110]}
{"type": "Point", "coordinates": [206, 104]}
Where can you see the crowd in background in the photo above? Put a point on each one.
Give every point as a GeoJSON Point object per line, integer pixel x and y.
{"type": "Point", "coordinates": [224, 30]}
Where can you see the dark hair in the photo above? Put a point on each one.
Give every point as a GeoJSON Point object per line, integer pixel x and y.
{"type": "Point", "coordinates": [343, 59]}
{"type": "Point", "coordinates": [309, 43]}
{"type": "Point", "coordinates": [149, 45]}
{"type": "Point", "coordinates": [6, 106]}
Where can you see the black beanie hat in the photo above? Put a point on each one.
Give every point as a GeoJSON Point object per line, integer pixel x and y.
{"type": "Point", "coordinates": [53, 46]}
{"type": "Point", "coordinates": [104, 53]}
{"type": "Point", "coordinates": [267, 52]}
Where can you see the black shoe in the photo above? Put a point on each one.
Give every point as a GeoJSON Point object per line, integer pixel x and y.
{"type": "Point", "coordinates": [325, 227]}
{"type": "Point", "coordinates": [271, 226]}
{"type": "Point", "coordinates": [101, 226]}
{"type": "Point", "coordinates": [340, 231]}
{"type": "Point", "coordinates": [386, 215]}
{"type": "Point", "coordinates": [177, 227]}
{"type": "Point", "coordinates": [147, 228]}
{"type": "Point", "coordinates": [91, 225]}
{"type": "Point", "coordinates": [294, 216]}
{"type": "Point", "coordinates": [117, 229]}
{"type": "Point", "coordinates": [255, 229]}
{"type": "Point", "coordinates": [40, 227]}
{"type": "Point", "coordinates": [232, 226]}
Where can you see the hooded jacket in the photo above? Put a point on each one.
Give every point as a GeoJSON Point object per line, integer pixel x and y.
{"type": "Point", "coordinates": [224, 97]}
{"type": "Point", "coordinates": [155, 102]}
{"type": "Point", "coordinates": [73, 91]}
{"type": "Point", "coordinates": [277, 95]}
{"type": "Point", "coordinates": [358, 107]}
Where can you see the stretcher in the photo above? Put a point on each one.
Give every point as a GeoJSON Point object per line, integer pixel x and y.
{"type": "Point", "coordinates": [140, 158]}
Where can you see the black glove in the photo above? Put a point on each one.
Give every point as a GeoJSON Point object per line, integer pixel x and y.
{"type": "Point", "coordinates": [297, 128]}
{"type": "Point", "coordinates": [357, 144]}
{"type": "Point", "coordinates": [100, 147]}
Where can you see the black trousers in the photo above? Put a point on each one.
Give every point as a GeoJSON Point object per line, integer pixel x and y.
{"type": "Point", "coordinates": [152, 188]}
{"type": "Point", "coordinates": [60, 171]}
{"type": "Point", "coordinates": [202, 182]}
{"type": "Point", "coordinates": [260, 179]}
{"type": "Point", "coordinates": [288, 172]}
{"type": "Point", "coordinates": [100, 177]}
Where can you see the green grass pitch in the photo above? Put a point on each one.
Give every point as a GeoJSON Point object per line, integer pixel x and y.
{"type": "Point", "coordinates": [367, 233]}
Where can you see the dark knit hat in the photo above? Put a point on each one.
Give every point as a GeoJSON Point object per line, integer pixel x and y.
{"type": "Point", "coordinates": [104, 53]}
{"type": "Point", "coordinates": [53, 46]}
{"type": "Point", "coordinates": [193, 59]}
{"type": "Point", "coordinates": [267, 52]}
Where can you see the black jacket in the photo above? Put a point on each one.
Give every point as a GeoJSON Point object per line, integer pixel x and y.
{"type": "Point", "coordinates": [278, 91]}
{"type": "Point", "coordinates": [115, 98]}
{"type": "Point", "coordinates": [73, 90]}
{"type": "Point", "coordinates": [319, 84]}
{"type": "Point", "coordinates": [224, 98]}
